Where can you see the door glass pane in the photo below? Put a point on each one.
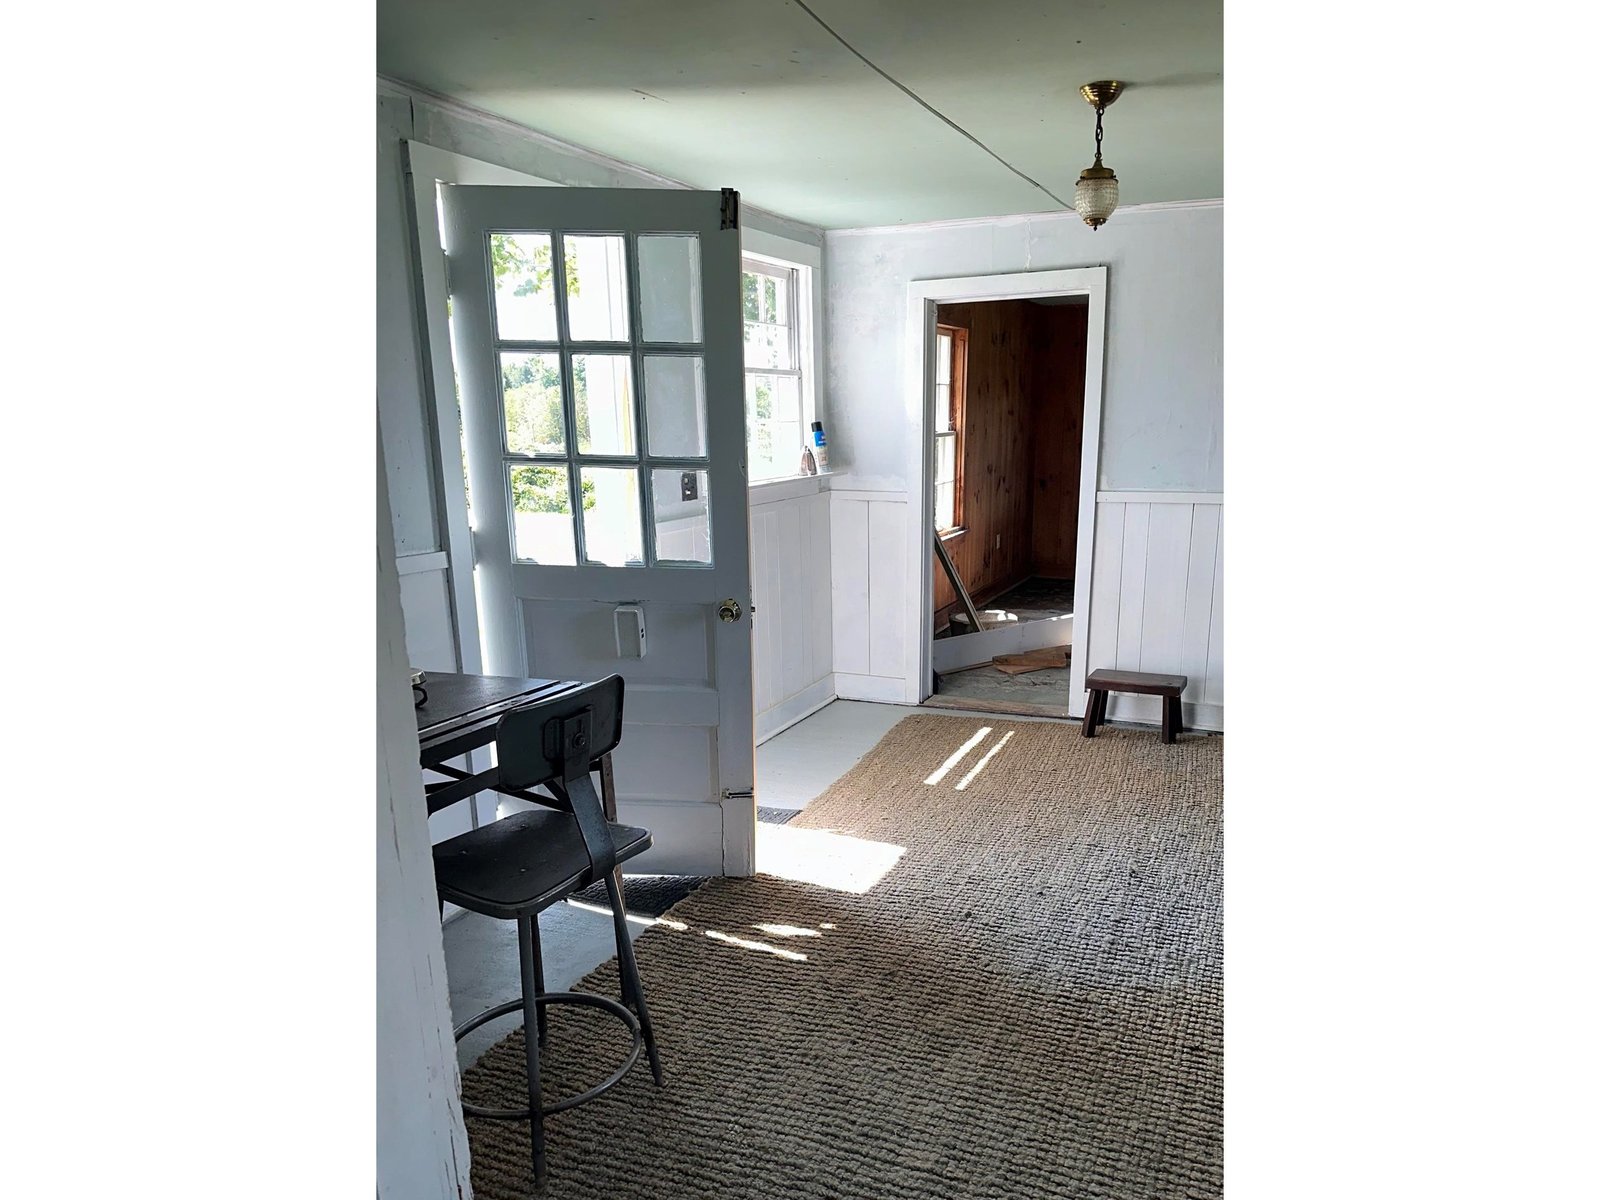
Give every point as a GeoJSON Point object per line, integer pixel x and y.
{"type": "Point", "coordinates": [683, 518]}
{"type": "Point", "coordinates": [675, 405]}
{"type": "Point", "coordinates": [542, 515]}
{"type": "Point", "coordinates": [531, 389]}
{"type": "Point", "coordinates": [611, 527]}
{"type": "Point", "coordinates": [597, 288]}
{"type": "Point", "coordinates": [524, 290]}
{"type": "Point", "coordinates": [602, 388]}
{"type": "Point", "coordinates": [669, 288]}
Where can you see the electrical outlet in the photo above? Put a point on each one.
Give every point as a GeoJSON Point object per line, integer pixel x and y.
{"type": "Point", "coordinates": [690, 486]}
{"type": "Point", "coordinates": [997, 541]}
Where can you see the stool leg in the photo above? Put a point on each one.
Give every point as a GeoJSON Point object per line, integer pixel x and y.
{"type": "Point", "coordinates": [608, 806]}
{"type": "Point", "coordinates": [628, 968]}
{"type": "Point", "coordinates": [1171, 719]}
{"type": "Point", "coordinates": [621, 898]}
{"type": "Point", "coordinates": [1100, 710]}
{"type": "Point", "coordinates": [538, 981]}
{"type": "Point", "coordinates": [526, 941]}
{"type": "Point", "coordinates": [1089, 713]}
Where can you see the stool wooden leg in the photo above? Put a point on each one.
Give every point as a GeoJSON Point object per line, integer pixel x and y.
{"type": "Point", "coordinates": [1100, 712]}
{"type": "Point", "coordinates": [1171, 719]}
{"type": "Point", "coordinates": [526, 936]}
{"type": "Point", "coordinates": [628, 969]}
{"type": "Point", "coordinates": [1089, 712]}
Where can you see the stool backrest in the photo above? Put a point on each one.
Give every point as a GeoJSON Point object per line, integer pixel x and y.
{"type": "Point", "coordinates": [559, 738]}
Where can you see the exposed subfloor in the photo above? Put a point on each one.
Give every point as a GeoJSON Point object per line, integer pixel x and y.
{"type": "Point", "coordinates": [1050, 687]}
{"type": "Point", "coordinates": [1035, 599]}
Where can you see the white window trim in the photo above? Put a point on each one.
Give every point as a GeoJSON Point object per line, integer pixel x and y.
{"type": "Point", "coordinates": [806, 261]}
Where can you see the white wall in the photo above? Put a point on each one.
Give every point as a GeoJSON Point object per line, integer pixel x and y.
{"type": "Point", "coordinates": [1161, 421]}
{"type": "Point", "coordinates": [422, 1139]}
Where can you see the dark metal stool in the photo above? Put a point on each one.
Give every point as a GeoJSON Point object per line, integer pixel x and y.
{"type": "Point", "coordinates": [516, 867]}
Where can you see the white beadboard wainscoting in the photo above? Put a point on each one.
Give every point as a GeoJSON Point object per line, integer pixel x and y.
{"type": "Point", "coordinates": [792, 633]}
{"type": "Point", "coordinates": [1156, 598]}
{"type": "Point", "coordinates": [873, 651]}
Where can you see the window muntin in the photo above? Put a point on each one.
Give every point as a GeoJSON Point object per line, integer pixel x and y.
{"type": "Point", "coordinates": [589, 374]}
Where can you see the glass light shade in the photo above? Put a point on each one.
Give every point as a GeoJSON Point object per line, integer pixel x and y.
{"type": "Point", "coordinates": [1096, 195]}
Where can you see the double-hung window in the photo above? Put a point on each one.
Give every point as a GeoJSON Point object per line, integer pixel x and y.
{"type": "Point", "coordinates": [776, 413]}
{"type": "Point", "coordinates": [949, 388]}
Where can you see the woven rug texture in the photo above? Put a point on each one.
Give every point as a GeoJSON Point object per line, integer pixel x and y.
{"type": "Point", "coordinates": [1005, 982]}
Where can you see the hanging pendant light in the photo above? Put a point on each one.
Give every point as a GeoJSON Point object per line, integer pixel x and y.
{"type": "Point", "coordinates": [1096, 195]}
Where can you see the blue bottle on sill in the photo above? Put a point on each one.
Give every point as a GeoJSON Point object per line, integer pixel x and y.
{"type": "Point", "coordinates": [819, 440]}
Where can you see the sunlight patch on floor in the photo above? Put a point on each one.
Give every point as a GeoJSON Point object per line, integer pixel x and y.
{"type": "Point", "coordinates": [824, 857]}
{"type": "Point", "coordinates": [949, 764]}
{"type": "Point", "coordinates": [984, 761]}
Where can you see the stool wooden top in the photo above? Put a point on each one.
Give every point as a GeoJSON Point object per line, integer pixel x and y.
{"type": "Point", "coordinates": [1141, 682]}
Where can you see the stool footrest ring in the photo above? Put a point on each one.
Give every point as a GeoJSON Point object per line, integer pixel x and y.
{"type": "Point", "coordinates": [605, 1003]}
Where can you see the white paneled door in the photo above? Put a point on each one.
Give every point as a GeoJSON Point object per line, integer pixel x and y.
{"type": "Point", "coordinates": [599, 350]}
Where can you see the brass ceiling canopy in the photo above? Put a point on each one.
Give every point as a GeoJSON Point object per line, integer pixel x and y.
{"type": "Point", "coordinates": [1096, 194]}
{"type": "Point", "coordinates": [1102, 93]}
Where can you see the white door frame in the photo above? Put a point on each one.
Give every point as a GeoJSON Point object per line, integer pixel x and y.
{"type": "Point", "coordinates": [923, 297]}
{"type": "Point", "coordinates": [426, 166]}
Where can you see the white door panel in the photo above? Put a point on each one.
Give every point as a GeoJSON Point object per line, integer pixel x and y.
{"type": "Point", "coordinates": [598, 340]}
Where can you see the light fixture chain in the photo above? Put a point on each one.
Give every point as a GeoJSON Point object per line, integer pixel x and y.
{"type": "Point", "coordinates": [1099, 112]}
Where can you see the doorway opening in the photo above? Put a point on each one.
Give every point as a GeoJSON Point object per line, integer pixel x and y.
{"type": "Point", "coordinates": [1006, 446]}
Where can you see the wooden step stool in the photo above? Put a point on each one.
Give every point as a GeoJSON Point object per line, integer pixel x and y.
{"type": "Point", "coordinates": [1103, 682]}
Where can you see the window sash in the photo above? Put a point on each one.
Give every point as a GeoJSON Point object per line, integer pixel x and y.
{"type": "Point", "coordinates": [948, 414]}
{"type": "Point", "coordinates": [762, 434]}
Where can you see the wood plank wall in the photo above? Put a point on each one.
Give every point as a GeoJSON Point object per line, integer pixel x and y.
{"type": "Point", "coordinates": [1024, 412]}
{"type": "Point", "coordinates": [997, 448]}
{"type": "Point", "coordinates": [1061, 333]}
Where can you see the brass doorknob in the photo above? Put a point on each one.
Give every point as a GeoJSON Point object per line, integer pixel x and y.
{"type": "Point", "coordinates": [729, 610]}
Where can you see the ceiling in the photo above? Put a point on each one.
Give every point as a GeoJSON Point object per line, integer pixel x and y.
{"type": "Point", "coordinates": [757, 95]}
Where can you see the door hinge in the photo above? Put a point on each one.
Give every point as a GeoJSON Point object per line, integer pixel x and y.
{"type": "Point", "coordinates": [744, 794]}
{"type": "Point", "coordinates": [730, 208]}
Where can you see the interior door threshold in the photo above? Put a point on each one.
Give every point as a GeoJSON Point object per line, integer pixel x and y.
{"type": "Point", "coordinates": [1008, 708]}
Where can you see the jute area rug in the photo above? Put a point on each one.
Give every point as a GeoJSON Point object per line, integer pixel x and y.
{"type": "Point", "coordinates": [990, 973]}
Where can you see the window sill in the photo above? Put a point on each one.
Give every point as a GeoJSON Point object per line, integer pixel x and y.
{"type": "Point", "coordinates": [952, 535]}
{"type": "Point", "coordinates": [769, 491]}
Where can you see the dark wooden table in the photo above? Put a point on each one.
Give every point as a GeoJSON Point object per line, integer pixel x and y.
{"type": "Point", "coordinates": [460, 715]}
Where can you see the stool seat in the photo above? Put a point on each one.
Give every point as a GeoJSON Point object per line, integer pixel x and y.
{"type": "Point", "coordinates": [1144, 683]}
{"type": "Point", "coordinates": [522, 863]}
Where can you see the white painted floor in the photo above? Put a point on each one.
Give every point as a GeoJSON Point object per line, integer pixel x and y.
{"type": "Point", "coordinates": [793, 768]}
